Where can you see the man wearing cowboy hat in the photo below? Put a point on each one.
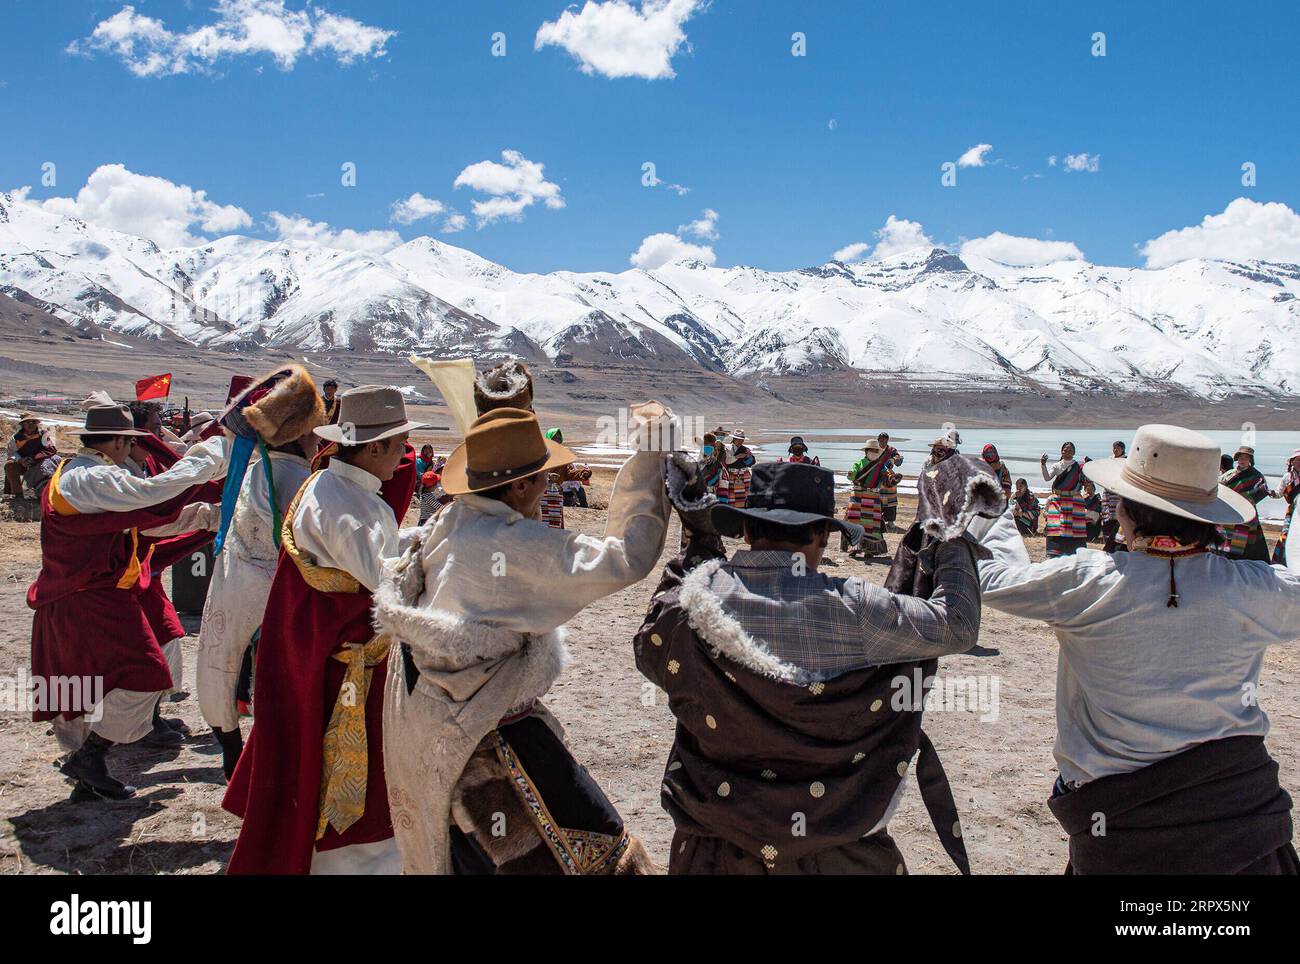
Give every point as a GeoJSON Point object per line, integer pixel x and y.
{"type": "Point", "coordinates": [784, 681]}
{"type": "Point", "coordinates": [310, 782]}
{"type": "Point", "coordinates": [738, 461]}
{"type": "Point", "coordinates": [90, 621]}
{"type": "Point", "coordinates": [30, 456]}
{"type": "Point", "coordinates": [476, 765]}
{"type": "Point", "coordinates": [1158, 724]}
{"type": "Point", "coordinates": [1246, 540]}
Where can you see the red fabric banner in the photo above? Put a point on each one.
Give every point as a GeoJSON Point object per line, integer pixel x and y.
{"type": "Point", "coordinates": [155, 386]}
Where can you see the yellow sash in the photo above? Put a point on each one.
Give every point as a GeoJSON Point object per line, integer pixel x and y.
{"type": "Point", "coordinates": [63, 507]}
{"type": "Point", "coordinates": [345, 757]}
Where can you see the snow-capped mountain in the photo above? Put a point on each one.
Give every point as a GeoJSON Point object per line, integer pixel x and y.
{"type": "Point", "coordinates": [1210, 328]}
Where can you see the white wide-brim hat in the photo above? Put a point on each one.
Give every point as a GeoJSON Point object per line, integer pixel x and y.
{"type": "Point", "coordinates": [1175, 470]}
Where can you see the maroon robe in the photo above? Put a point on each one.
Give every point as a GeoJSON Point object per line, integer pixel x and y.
{"type": "Point", "coordinates": [277, 783]}
{"type": "Point", "coordinates": [157, 456]}
{"type": "Point", "coordinates": [84, 624]}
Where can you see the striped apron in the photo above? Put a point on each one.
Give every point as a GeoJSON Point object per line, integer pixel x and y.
{"type": "Point", "coordinates": [553, 507]}
{"type": "Point", "coordinates": [1066, 514]}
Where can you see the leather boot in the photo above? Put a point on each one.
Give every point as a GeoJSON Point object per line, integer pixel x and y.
{"type": "Point", "coordinates": [161, 736]}
{"type": "Point", "coordinates": [232, 745]}
{"type": "Point", "coordinates": [89, 767]}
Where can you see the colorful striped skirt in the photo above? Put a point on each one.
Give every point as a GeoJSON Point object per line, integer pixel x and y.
{"type": "Point", "coordinates": [1279, 550]}
{"type": "Point", "coordinates": [1245, 541]}
{"type": "Point", "coordinates": [739, 487]}
{"type": "Point", "coordinates": [889, 502]}
{"type": "Point", "coordinates": [1067, 516]}
{"type": "Point", "coordinates": [553, 509]}
{"type": "Point", "coordinates": [866, 509]}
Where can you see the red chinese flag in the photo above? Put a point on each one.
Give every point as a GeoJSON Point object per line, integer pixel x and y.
{"type": "Point", "coordinates": [156, 386]}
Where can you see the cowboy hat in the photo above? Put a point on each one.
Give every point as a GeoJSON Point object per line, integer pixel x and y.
{"type": "Point", "coordinates": [787, 493]}
{"type": "Point", "coordinates": [949, 439]}
{"type": "Point", "coordinates": [28, 417]}
{"type": "Point", "coordinates": [797, 442]}
{"type": "Point", "coordinates": [738, 435]}
{"type": "Point", "coordinates": [1174, 470]}
{"type": "Point", "coordinates": [368, 413]}
{"type": "Point", "coordinates": [503, 445]}
{"type": "Point", "coordinates": [872, 445]}
{"type": "Point", "coordinates": [1245, 450]}
{"type": "Point", "coordinates": [110, 420]}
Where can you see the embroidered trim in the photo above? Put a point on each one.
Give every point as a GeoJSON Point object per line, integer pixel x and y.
{"type": "Point", "coordinates": [320, 578]}
{"type": "Point", "coordinates": [579, 852]}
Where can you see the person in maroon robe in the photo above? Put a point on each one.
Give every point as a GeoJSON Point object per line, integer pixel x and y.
{"type": "Point", "coordinates": [313, 800]}
{"type": "Point", "coordinates": [98, 666]}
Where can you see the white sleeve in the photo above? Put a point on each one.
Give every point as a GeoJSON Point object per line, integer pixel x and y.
{"type": "Point", "coordinates": [592, 567]}
{"type": "Point", "coordinates": [342, 541]}
{"type": "Point", "coordinates": [106, 488]}
{"type": "Point", "coordinates": [1011, 583]}
{"type": "Point", "coordinates": [195, 516]}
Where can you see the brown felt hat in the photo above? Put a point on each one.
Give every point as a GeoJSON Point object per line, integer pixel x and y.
{"type": "Point", "coordinates": [368, 413]}
{"type": "Point", "coordinates": [110, 420]}
{"type": "Point", "coordinates": [501, 446]}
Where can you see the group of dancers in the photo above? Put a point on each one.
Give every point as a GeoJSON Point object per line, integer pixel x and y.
{"type": "Point", "coordinates": [399, 675]}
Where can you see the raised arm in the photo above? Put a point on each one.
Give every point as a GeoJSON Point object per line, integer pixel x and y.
{"type": "Point", "coordinates": [105, 489]}
{"type": "Point", "coordinates": [592, 567]}
{"type": "Point", "coordinates": [1013, 584]}
{"type": "Point", "coordinates": [897, 627]}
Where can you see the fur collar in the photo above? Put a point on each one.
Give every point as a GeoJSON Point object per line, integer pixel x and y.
{"type": "Point", "coordinates": [724, 634]}
{"type": "Point", "coordinates": [445, 641]}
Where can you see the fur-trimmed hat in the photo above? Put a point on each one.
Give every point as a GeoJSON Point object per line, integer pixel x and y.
{"type": "Point", "coordinates": [509, 385]}
{"type": "Point", "coordinates": [290, 409]}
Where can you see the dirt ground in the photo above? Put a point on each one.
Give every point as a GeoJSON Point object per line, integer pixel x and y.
{"type": "Point", "coordinates": [1001, 769]}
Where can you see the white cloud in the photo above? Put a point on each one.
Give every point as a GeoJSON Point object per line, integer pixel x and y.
{"type": "Point", "coordinates": [1051, 160]}
{"type": "Point", "coordinates": [294, 227]}
{"type": "Point", "coordinates": [1010, 249]}
{"type": "Point", "coordinates": [832, 124]}
{"type": "Point", "coordinates": [852, 252]}
{"type": "Point", "coordinates": [616, 39]}
{"type": "Point", "coordinates": [512, 186]}
{"type": "Point", "coordinates": [705, 227]}
{"type": "Point", "coordinates": [658, 250]}
{"type": "Point", "coordinates": [1246, 230]}
{"type": "Point", "coordinates": [654, 181]}
{"type": "Point", "coordinates": [242, 27]}
{"type": "Point", "coordinates": [899, 235]}
{"type": "Point", "coordinates": [1083, 162]}
{"type": "Point", "coordinates": [417, 207]}
{"type": "Point", "coordinates": [454, 223]}
{"type": "Point", "coordinates": [147, 207]}
{"type": "Point", "coordinates": [975, 156]}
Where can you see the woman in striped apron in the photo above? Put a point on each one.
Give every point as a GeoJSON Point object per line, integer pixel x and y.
{"type": "Point", "coordinates": [1288, 491]}
{"type": "Point", "coordinates": [1067, 516]}
{"type": "Point", "coordinates": [553, 502]}
{"type": "Point", "coordinates": [1245, 540]}
{"type": "Point", "coordinates": [865, 508]}
{"type": "Point", "coordinates": [739, 461]}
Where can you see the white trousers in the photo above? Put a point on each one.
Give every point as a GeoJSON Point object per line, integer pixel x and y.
{"type": "Point", "coordinates": [367, 859]}
{"type": "Point", "coordinates": [124, 716]}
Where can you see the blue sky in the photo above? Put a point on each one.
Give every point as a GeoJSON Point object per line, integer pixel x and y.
{"type": "Point", "coordinates": [1186, 94]}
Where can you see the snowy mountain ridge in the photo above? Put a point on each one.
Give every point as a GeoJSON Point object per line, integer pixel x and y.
{"type": "Point", "coordinates": [1208, 328]}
